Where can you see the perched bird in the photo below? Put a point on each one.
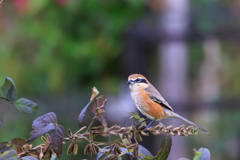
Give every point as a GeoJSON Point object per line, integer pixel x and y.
{"type": "Point", "coordinates": [150, 102]}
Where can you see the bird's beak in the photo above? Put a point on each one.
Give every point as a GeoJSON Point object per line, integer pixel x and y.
{"type": "Point", "coordinates": [130, 82]}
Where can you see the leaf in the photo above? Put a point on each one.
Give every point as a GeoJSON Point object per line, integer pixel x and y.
{"type": "Point", "coordinates": [98, 109]}
{"type": "Point", "coordinates": [198, 154]}
{"type": "Point", "coordinates": [134, 114]}
{"type": "Point", "coordinates": [95, 92]}
{"type": "Point", "coordinates": [143, 123]}
{"type": "Point", "coordinates": [26, 106]}
{"type": "Point", "coordinates": [4, 146]}
{"type": "Point", "coordinates": [18, 144]}
{"type": "Point", "coordinates": [165, 148]}
{"type": "Point", "coordinates": [8, 90]}
{"type": "Point", "coordinates": [57, 139]}
{"type": "Point", "coordinates": [143, 151]}
{"type": "Point", "coordinates": [147, 157]}
{"type": "Point", "coordinates": [1, 120]}
{"type": "Point", "coordinates": [29, 158]}
{"type": "Point", "coordinates": [10, 155]}
{"type": "Point", "coordinates": [53, 156]}
{"type": "Point", "coordinates": [43, 124]}
{"type": "Point", "coordinates": [100, 154]}
{"type": "Point", "coordinates": [82, 114]}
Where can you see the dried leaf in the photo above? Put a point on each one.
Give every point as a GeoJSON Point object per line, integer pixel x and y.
{"type": "Point", "coordinates": [1, 120]}
{"type": "Point", "coordinates": [98, 109]}
{"type": "Point", "coordinates": [43, 124]}
{"type": "Point", "coordinates": [10, 155]}
{"type": "Point", "coordinates": [94, 93]}
{"type": "Point", "coordinates": [102, 151]}
{"type": "Point", "coordinates": [135, 151]}
{"type": "Point", "coordinates": [8, 90]}
{"type": "Point", "coordinates": [18, 144]}
{"type": "Point", "coordinates": [57, 139]}
{"type": "Point", "coordinates": [165, 148]}
{"type": "Point", "coordinates": [26, 106]}
{"type": "Point", "coordinates": [70, 148]}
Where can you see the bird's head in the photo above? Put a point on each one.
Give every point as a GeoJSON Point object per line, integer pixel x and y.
{"type": "Point", "coordinates": [137, 82]}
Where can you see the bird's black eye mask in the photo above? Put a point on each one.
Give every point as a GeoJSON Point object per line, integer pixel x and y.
{"type": "Point", "coordinates": [140, 80]}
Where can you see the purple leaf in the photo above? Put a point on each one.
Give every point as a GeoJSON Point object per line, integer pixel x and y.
{"type": "Point", "coordinates": [4, 146]}
{"type": "Point", "coordinates": [43, 124]}
{"type": "Point", "coordinates": [99, 106]}
{"type": "Point", "coordinates": [57, 139]}
{"type": "Point", "coordinates": [82, 114]}
{"type": "Point", "coordinates": [29, 158]}
{"type": "Point", "coordinates": [10, 155]}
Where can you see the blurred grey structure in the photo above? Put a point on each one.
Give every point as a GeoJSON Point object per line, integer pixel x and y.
{"type": "Point", "coordinates": [173, 53]}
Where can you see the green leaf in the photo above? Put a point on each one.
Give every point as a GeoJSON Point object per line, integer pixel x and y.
{"type": "Point", "coordinates": [8, 90]}
{"type": "Point", "coordinates": [26, 106]}
{"type": "Point", "coordinates": [134, 114]}
{"type": "Point", "coordinates": [1, 120]}
{"type": "Point", "coordinates": [165, 148]}
{"type": "Point", "coordinates": [10, 155]}
{"type": "Point", "coordinates": [143, 123]}
{"type": "Point", "coordinates": [197, 154]}
{"type": "Point", "coordinates": [147, 157]}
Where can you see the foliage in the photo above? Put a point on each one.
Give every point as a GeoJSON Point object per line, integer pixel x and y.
{"type": "Point", "coordinates": [79, 40]}
{"type": "Point", "coordinates": [127, 143]}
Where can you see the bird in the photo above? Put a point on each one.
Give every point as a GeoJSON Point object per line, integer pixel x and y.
{"type": "Point", "coordinates": [150, 102]}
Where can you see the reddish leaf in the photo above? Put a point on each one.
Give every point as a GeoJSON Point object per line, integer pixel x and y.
{"type": "Point", "coordinates": [98, 108]}
{"type": "Point", "coordinates": [43, 124]}
{"type": "Point", "coordinates": [57, 139]}
{"type": "Point", "coordinates": [18, 144]}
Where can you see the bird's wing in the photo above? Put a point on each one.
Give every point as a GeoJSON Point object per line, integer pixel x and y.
{"type": "Point", "coordinates": [157, 97]}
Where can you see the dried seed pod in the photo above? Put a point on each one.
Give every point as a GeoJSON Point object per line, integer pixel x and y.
{"type": "Point", "coordinates": [75, 149]}
{"type": "Point", "coordinates": [70, 148]}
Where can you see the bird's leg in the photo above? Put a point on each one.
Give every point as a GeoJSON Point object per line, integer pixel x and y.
{"type": "Point", "coordinates": [149, 124]}
{"type": "Point", "coordinates": [140, 123]}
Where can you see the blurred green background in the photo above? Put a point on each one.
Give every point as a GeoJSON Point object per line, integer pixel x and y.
{"type": "Point", "coordinates": [56, 51]}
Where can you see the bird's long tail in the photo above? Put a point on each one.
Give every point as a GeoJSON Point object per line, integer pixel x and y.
{"type": "Point", "coordinates": [175, 115]}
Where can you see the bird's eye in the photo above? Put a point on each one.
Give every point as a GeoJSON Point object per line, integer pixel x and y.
{"type": "Point", "coordinates": [138, 80]}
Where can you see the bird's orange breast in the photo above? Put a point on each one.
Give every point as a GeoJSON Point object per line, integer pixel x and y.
{"type": "Point", "coordinates": [146, 106]}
